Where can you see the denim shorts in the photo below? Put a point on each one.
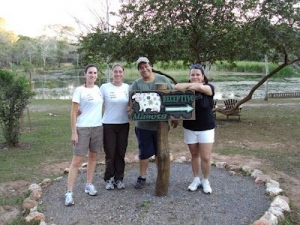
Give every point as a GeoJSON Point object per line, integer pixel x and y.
{"type": "Point", "coordinates": [89, 139]}
{"type": "Point", "coordinates": [147, 140]}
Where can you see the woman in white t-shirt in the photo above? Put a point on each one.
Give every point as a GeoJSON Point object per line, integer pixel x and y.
{"type": "Point", "coordinates": [115, 128]}
{"type": "Point", "coordinates": [87, 131]}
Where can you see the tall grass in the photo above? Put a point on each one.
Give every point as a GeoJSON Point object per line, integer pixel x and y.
{"type": "Point", "coordinates": [220, 71]}
{"type": "Point", "coordinates": [254, 67]}
{"type": "Point", "coordinates": [241, 70]}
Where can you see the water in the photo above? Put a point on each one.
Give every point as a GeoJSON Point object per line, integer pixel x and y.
{"type": "Point", "coordinates": [61, 86]}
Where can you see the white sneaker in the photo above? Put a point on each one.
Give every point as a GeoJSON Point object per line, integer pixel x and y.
{"type": "Point", "coordinates": [90, 189]}
{"type": "Point", "coordinates": [110, 185]}
{"type": "Point", "coordinates": [69, 198]}
{"type": "Point", "coordinates": [206, 186]}
{"type": "Point", "coordinates": [195, 184]}
{"type": "Point", "coordinates": [119, 184]}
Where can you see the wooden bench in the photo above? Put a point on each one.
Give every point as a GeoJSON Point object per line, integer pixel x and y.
{"type": "Point", "coordinates": [229, 104]}
{"type": "Point", "coordinates": [285, 95]}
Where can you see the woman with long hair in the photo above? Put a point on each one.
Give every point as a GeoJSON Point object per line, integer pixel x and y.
{"type": "Point", "coordinates": [199, 134]}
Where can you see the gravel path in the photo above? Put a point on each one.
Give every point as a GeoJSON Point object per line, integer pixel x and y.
{"type": "Point", "coordinates": [235, 200]}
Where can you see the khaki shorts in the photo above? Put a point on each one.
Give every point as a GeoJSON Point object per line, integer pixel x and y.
{"type": "Point", "coordinates": [89, 139]}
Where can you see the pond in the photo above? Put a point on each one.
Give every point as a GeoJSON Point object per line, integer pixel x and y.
{"type": "Point", "coordinates": [61, 86]}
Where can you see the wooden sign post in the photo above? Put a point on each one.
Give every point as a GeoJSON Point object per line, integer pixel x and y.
{"type": "Point", "coordinates": [163, 155]}
{"type": "Point", "coordinates": [162, 105]}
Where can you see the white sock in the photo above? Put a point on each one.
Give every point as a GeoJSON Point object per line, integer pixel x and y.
{"type": "Point", "coordinates": [197, 178]}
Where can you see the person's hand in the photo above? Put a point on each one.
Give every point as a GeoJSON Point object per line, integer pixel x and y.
{"type": "Point", "coordinates": [174, 123]}
{"type": "Point", "coordinates": [74, 139]}
{"type": "Point", "coordinates": [129, 112]}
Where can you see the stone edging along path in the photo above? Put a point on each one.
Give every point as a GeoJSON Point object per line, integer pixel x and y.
{"type": "Point", "coordinates": [278, 206]}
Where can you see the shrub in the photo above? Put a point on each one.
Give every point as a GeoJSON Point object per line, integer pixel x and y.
{"type": "Point", "coordinates": [14, 97]}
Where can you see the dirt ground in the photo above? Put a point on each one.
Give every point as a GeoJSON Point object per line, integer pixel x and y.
{"type": "Point", "coordinates": [289, 184]}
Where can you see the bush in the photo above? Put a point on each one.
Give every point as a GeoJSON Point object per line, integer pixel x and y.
{"type": "Point", "coordinates": [14, 97]}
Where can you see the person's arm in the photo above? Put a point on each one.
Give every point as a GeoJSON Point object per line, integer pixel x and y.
{"type": "Point", "coordinates": [174, 123]}
{"type": "Point", "coordinates": [182, 86]}
{"type": "Point", "coordinates": [103, 109]}
{"type": "Point", "coordinates": [102, 91]}
{"type": "Point", "coordinates": [133, 86]}
{"type": "Point", "coordinates": [74, 113]}
{"type": "Point", "coordinates": [206, 89]}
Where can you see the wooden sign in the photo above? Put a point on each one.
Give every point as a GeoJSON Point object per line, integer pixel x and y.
{"type": "Point", "coordinates": [162, 105]}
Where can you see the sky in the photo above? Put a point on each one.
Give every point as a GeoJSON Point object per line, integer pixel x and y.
{"type": "Point", "coordinates": [29, 17]}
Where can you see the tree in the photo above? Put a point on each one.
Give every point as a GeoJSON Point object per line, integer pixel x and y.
{"type": "Point", "coordinates": [14, 97]}
{"type": "Point", "coordinates": [25, 49]}
{"type": "Point", "coordinates": [64, 36]}
{"type": "Point", "coordinates": [272, 29]}
{"type": "Point", "coordinates": [200, 31]}
{"type": "Point", "coordinates": [101, 46]}
{"type": "Point", "coordinates": [61, 32]}
{"type": "Point", "coordinates": [193, 31]}
{"type": "Point", "coordinates": [7, 39]}
{"type": "Point", "coordinates": [48, 48]}
{"type": "Point", "coordinates": [206, 31]}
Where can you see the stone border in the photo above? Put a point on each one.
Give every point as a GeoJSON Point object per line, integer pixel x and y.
{"type": "Point", "coordinates": [272, 216]}
{"type": "Point", "coordinates": [280, 203]}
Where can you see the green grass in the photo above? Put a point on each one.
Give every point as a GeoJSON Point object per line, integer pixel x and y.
{"type": "Point", "coordinates": [254, 67]}
{"type": "Point", "coordinates": [17, 200]}
{"type": "Point", "coordinates": [47, 142]}
{"type": "Point", "coordinates": [270, 132]}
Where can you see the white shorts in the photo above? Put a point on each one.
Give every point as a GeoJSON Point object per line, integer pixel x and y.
{"type": "Point", "coordinates": [193, 137]}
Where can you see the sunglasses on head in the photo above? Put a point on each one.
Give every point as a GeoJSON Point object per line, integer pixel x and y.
{"type": "Point", "coordinates": [196, 66]}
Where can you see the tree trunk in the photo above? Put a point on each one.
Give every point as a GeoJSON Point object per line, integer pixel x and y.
{"type": "Point", "coordinates": [207, 69]}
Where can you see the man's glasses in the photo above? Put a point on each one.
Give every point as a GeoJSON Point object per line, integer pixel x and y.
{"type": "Point", "coordinates": [196, 66]}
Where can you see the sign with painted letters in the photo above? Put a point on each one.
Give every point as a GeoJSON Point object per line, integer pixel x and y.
{"type": "Point", "coordinates": [162, 105]}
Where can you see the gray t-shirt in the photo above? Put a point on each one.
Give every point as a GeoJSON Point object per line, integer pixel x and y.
{"type": "Point", "coordinates": [141, 85]}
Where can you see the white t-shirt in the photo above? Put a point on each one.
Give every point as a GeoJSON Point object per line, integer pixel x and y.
{"type": "Point", "coordinates": [90, 103]}
{"type": "Point", "coordinates": [116, 101]}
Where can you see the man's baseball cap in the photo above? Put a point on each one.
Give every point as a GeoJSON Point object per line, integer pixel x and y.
{"type": "Point", "coordinates": [142, 60]}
